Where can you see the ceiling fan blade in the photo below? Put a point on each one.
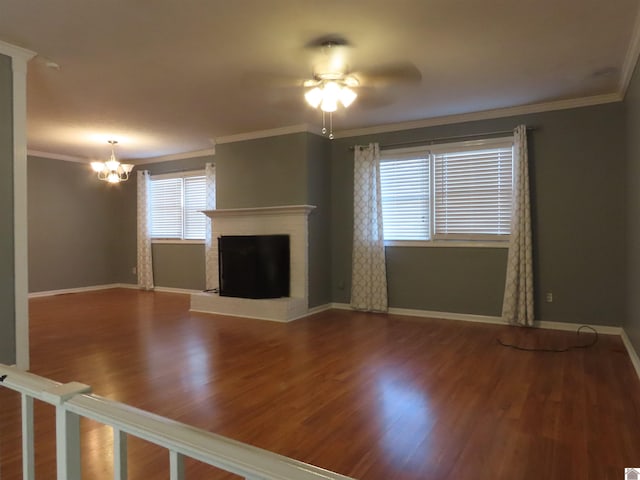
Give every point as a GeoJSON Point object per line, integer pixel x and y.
{"type": "Point", "coordinates": [390, 74]}
{"type": "Point", "coordinates": [371, 98]}
{"type": "Point", "coordinates": [263, 79]}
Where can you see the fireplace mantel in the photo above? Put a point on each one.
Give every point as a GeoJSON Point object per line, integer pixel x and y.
{"type": "Point", "coordinates": [259, 211]}
{"type": "Point", "coordinates": [289, 220]}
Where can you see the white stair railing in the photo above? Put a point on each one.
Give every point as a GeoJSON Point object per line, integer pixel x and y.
{"type": "Point", "coordinates": [73, 401]}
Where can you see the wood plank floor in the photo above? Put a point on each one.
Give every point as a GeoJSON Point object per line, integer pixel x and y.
{"type": "Point", "coordinates": [371, 396]}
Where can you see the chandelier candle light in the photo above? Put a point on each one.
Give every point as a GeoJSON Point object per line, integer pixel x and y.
{"type": "Point", "coordinates": [112, 171]}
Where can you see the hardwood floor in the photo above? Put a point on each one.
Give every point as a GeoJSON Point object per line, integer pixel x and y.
{"type": "Point", "coordinates": [370, 396]}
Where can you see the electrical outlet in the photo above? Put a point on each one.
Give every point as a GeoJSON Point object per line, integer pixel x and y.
{"type": "Point", "coordinates": [549, 297]}
{"type": "Point", "coordinates": [134, 270]}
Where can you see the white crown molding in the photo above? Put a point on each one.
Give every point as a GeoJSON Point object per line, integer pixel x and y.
{"type": "Point", "coordinates": [209, 152]}
{"type": "Point", "coordinates": [391, 127]}
{"type": "Point", "coordinates": [631, 57]}
{"type": "Point", "coordinates": [56, 156]}
{"type": "Point", "coordinates": [165, 158]}
{"type": "Point", "coordinates": [484, 115]}
{"type": "Point", "coordinates": [15, 51]}
{"type": "Point", "coordinates": [274, 132]}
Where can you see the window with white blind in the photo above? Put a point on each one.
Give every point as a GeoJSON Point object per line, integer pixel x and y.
{"type": "Point", "coordinates": [176, 204]}
{"type": "Point", "coordinates": [458, 191]}
{"type": "Point", "coordinates": [405, 197]}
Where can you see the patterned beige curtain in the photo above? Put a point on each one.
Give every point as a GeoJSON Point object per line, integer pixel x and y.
{"type": "Point", "coordinates": [517, 307]}
{"type": "Point", "coordinates": [369, 273]}
{"type": "Point", "coordinates": [145, 265]}
{"type": "Point", "coordinates": [211, 253]}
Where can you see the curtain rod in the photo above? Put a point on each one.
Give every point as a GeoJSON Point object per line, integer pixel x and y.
{"type": "Point", "coordinates": [442, 139]}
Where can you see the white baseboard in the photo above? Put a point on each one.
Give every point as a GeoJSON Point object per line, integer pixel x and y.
{"type": "Point", "coordinates": [94, 288]}
{"type": "Point", "coordinates": [185, 291]}
{"type": "Point", "coordinates": [633, 355]}
{"type": "Point", "coordinates": [572, 327]}
{"type": "Point", "coordinates": [465, 317]}
{"type": "Point", "coordinates": [468, 317]}
{"type": "Point", "coordinates": [65, 291]}
{"type": "Point", "coordinates": [320, 308]}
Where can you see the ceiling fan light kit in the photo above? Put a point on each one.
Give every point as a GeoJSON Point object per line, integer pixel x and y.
{"type": "Point", "coordinates": [329, 90]}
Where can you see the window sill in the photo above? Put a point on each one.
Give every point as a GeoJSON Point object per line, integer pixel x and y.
{"type": "Point", "coordinates": [176, 240]}
{"type": "Point", "coordinates": [447, 243]}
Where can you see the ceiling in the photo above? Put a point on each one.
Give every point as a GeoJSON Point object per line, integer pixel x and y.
{"type": "Point", "coordinates": [166, 77]}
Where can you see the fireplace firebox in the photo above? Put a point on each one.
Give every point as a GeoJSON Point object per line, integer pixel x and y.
{"type": "Point", "coordinates": [253, 266]}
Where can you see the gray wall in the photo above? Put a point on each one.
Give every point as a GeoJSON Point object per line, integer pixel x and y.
{"type": "Point", "coordinates": [632, 104]}
{"type": "Point", "coordinates": [7, 285]}
{"type": "Point", "coordinates": [123, 238]}
{"type": "Point", "coordinates": [290, 169]}
{"type": "Point", "coordinates": [74, 222]}
{"type": "Point", "coordinates": [577, 169]}
{"type": "Point", "coordinates": [319, 194]}
{"type": "Point", "coordinates": [179, 265]}
{"type": "Point", "coordinates": [262, 172]}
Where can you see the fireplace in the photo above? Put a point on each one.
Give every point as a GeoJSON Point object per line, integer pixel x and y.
{"type": "Point", "coordinates": [253, 266]}
{"type": "Point", "coordinates": [290, 221]}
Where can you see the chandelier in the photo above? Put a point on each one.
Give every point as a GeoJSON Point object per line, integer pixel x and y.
{"type": "Point", "coordinates": [329, 90]}
{"type": "Point", "coordinates": [112, 170]}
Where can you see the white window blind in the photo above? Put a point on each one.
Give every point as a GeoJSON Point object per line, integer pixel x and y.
{"type": "Point", "coordinates": [195, 200]}
{"type": "Point", "coordinates": [472, 193]}
{"type": "Point", "coordinates": [176, 203]}
{"type": "Point", "coordinates": [456, 191]}
{"type": "Point", "coordinates": [405, 198]}
{"type": "Point", "coordinates": [166, 208]}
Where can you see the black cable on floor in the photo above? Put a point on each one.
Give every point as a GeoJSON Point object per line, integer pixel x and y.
{"type": "Point", "coordinates": [556, 350]}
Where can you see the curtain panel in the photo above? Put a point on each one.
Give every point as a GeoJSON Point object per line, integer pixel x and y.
{"type": "Point", "coordinates": [145, 263]}
{"type": "Point", "coordinates": [368, 274]}
{"type": "Point", "coordinates": [211, 253]}
{"type": "Point", "coordinates": [517, 307]}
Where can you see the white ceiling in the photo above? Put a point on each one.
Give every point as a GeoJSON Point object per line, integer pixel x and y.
{"type": "Point", "coordinates": [166, 77]}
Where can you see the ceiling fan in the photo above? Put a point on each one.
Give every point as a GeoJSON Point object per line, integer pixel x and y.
{"type": "Point", "coordinates": [333, 83]}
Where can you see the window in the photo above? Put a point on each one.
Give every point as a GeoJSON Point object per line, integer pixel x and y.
{"type": "Point", "coordinates": [405, 187]}
{"type": "Point", "coordinates": [176, 203]}
{"type": "Point", "coordinates": [458, 191]}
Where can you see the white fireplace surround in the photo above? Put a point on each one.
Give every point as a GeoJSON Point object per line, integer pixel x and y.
{"type": "Point", "coordinates": [289, 220]}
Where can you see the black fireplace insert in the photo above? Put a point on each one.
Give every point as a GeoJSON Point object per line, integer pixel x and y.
{"type": "Point", "coordinates": [253, 266]}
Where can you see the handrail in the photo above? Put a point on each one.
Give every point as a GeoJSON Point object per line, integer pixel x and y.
{"type": "Point", "coordinates": [180, 439]}
{"type": "Point", "coordinates": [27, 383]}
{"type": "Point", "coordinates": [216, 450]}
